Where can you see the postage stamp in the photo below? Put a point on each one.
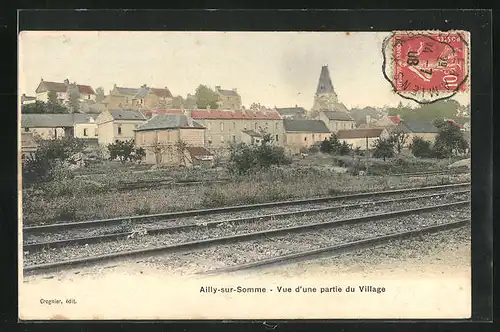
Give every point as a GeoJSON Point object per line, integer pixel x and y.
{"type": "Point", "coordinates": [427, 66]}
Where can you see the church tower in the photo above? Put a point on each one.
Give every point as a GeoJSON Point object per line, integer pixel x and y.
{"type": "Point", "coordinates": [325, 98]}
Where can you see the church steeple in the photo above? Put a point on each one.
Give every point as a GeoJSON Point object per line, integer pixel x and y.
{"type": "Point", "coordinates": [325, 83]}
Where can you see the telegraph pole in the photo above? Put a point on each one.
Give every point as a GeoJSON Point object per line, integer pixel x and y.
{"type": "Point", "coordinates": [366, 154]}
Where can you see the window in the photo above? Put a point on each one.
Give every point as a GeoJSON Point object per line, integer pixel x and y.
{"type": "Point", "coordinates": [234, 125]}
{"type": "Point", "coordinates": [234, 138]}
{"type": "Point", "coordinates": [277, 125]}
{"type": "Point", "coordinates": [245, 126]}
{"type": "Point", "coordinates": [222, 126]}
{"type": "Point", "coordinates": [255, 125]}
{"type": "Point", "coordinates": [313, 137]}
{"type": "Point", "coordinates": [26, 129]}
{"type": "Point", "coordinates": [305, 138]}
{"type": "Point", "coordinates": [209, 126]}
{"type": "Point", "coordinates": [277, 138]}
{"type": "Point", "coordinates": [222, 139]}
{"type": "Point", "coordinates": [88, 96]}
{"type": "Point", "coordinates": [85, 132]}
{"type": "Point", "coordinates": [209, 140]}
{"type": "Point", "coordinates": [119, 130]}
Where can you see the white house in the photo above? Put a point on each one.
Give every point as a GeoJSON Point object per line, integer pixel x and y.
{"type": "Point", "coordinates": [360, 138]}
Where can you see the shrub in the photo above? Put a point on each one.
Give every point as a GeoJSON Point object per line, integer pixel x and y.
{"type": "Point", "coordinates": [449, 141]}
{"type": "Point", "coordinates": [245, 158]}
{"type": "Point", "coordinates": [313, 149]}
{"type": "Point", "coordinates": [47, 161]}
{"type": "Point", "coordinates": [125, 151]}
{"type": "Point", "coordinates": [421, 148]}
{"type": "Point", "coordinates": [332, 145]}
{"type": "Point", "coordinates": [384, 148]}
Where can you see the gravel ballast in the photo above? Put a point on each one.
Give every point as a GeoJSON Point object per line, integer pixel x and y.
{"type": "Point", "coordinates": [158, 224]}
{"type": "Point", "coordinates": [246, 252]}
{"type": "Point", "coordinates": [151, 241]}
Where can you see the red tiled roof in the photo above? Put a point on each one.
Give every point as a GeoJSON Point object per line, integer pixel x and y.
{"type": "Point", "coordinates": [51, 86]}
{"type": "Point", "coordinates": [217, 114]}
{"type": "Point", "coordinates": [395, 119]}
{"type": "Point", "coordinates": [87, 89]}
{"type": "Point", "coordinates": [161, 92]}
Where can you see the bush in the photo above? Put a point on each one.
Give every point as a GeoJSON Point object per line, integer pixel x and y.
{"type": "Point", "coordinates": [245, 158]}
{"type": "Point", "coordinates": [449, 141]}
{"type": "Point", "coordinates": [421, 148]}
{"type": "Point", "coordinates": [125, 151]}
{"type": "Point", "coordinates": [313, 149]}
{"type": "Point", "coordinates": [332, 145]}
{"type": "Point", "coordinates": [384, 148]}
{"type": "Point", "coordinates": [46, 163]}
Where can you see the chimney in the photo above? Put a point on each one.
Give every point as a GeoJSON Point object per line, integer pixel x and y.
{"type": "Point", "coordinates": [208, 107]}
{"type": "Point", "coordinates": [114, 86]}
{"type": "Point", "coordinates": [41, 79]}
{"type": "Point", "coordinates": [66, 81]}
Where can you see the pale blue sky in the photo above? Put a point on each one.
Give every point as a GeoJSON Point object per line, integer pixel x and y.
{"type": "Point", "coordinates": [275, 69]}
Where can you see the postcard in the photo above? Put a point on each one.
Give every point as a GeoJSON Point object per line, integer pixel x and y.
{"type": "Point", "coordinates": [244, 175]}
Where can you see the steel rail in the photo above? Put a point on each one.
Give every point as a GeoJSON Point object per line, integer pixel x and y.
{"type": "Point", "coordinates": [212, 224]}
{"type": "Point", "coordinates": [236, 238]}
{"type": "Point", "coordinates": [336, 249]}
{"type": "Point", "coordinates": [235, 208]}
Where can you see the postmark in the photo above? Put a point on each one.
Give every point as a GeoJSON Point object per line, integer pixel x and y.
{"type": "Point", "coordinates": [427, 66]}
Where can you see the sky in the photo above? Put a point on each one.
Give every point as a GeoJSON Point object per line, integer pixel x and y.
{"type": "Point", "coordinates": [271, 68]}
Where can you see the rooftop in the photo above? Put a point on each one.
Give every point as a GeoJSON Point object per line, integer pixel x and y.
{"type": "Point", "coordinates": [419, 126]}
{"type": "Point", "coordinates": [340, 116]}
{"type": "Point", "coordinates": [309, 126]}
{"type": "Point", "coordinates": [168, 121]}
{"type": "Point", "coordinates": [360, 133]}
{"type": "Point", "coordinates": [54, 120]}
{"type": "Point", "coordinates": [127, 114]}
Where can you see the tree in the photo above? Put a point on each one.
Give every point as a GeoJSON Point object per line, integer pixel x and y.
{"type": "Point", "coordinates": [158, 150]}
{"type": "Point", "coordinates": [52, 98]}
{"type": "Point", "coordinates": [74, 102]}
{"type": "Point", "coordinates": [178, 102]}
{"type": "Point", "coordinates": [39, 107]}
{"type": "Point", "coordinates": [449, 141]}
{"type": "Point", "coordinates": [384, 148]}
{"type": "Point", "coordinates": [125, 151]}
{"type": "Point", "coordinates": [399, 139]}
{"type": "Point", "coordinates": [181, 148]}
{"type": "Point", "coordinates": [421, 148]}
{"type": "Point", "coordinates": [41, 166]}
{"type": "Point", "coordinates": [99, 94]}
{"type": "Point", "coordinates": [206, 97]}
{"type": "Point", "coordinates": [332, 145]}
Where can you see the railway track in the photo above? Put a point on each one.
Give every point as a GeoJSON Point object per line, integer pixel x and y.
{"type": "Point", "coordinates": [261, 229]}
{"type": "Point", "coordinates": [425, 173]}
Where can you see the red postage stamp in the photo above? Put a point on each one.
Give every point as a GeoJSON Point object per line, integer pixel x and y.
{"type": "Point", "coordinates": [427, 66]}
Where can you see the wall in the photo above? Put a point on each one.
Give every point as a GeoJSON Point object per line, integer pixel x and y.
{"type": "Point", "coordinates": [165, 139]}
{"type": "Point", "coordinates": [231, 130]}
{"type": "Point", "coordinates": [296, 141]}
{"type": "Point", "coordinates": [336, 125]}
{"type": "Point", "coordinates": [45, 133]}
{"type": "Point", "coordinates": [90, 127]}
{"type": "Point", "coordinates": [193, 137]}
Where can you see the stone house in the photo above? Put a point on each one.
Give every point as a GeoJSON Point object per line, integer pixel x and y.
{"type": "Point", "coordinates": [361, 138]}
{"type": "Point", "coordinates": [415, 128]}
{"type": "Point", "coordinates": [300, 134]}
{"type": "Point", "coordinates": [159, 137]}
{"type": "Point", "coordinates": [113, 125]}
{"type": "Point", "coordinates": [27, 99]}
{"type": "Point", "coordinates": [292, 112]}
{"type": "Point", "coordinates": [63, 91]}
{"type": "Point", "coordinates": [225, 127]}
{"type": "Point", "coordinates": [336, 121]}
{"type": "Point", "coordinates": [151, 98]}
{"type": "Point", "coordinates": [120, 98]}
{"type": "Point", "coordinates": [228, 99]}
{"type": "Point", "coordinates": [49, 126]}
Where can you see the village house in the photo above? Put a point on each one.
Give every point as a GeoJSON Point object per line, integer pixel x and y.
{"type": "Point", "coordinates": [27, 99]}
{"type": "Point", "coordinates": [292, 112]}
{"type": "Point", "coordinates": [63, 91]}
{"type": "Point", "coordinates": [415, 128]}
{"type": "Point", "coordinates": [228, 99]}
{"type": "Point", "coordinates": [336, 121]}
{"type": "Point", "coordinates": [301, 134]}
{"type": "Point", "coordinates": [50, 126]}
{"type": "Point", "coordinates": [362, 138]}
{"type": "Point", "coordinates": [150, 98]}
{"type": "Point", "coordinates": [387, 121]}
{"type": "Point", "coordinates": [118, 125]}
{"type": "Point", "coordinates": [120, 98]}
{"type": "Point", "coordinates": [173, 139]}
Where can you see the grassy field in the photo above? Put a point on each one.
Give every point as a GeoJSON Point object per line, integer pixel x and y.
{"type": "Point", "coordinates": [95, 195]}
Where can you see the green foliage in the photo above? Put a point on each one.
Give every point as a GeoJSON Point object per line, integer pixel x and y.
{"type": "Point", "coordinates": [44, 164]}
{"type": "Point", "coordinates": [74, 103]}
{"type": "Point", "coordinates": [333, 146]}
{"type": "Point", "coordinates": [245, 158]}
{"type": "Point", "coordinates": [447, 109]}
{"type": "Point", "coordinates": [399, 140]}
{"type": "Point", "coordinates": [384, 148]}
{"type": "Point", "coordinates": [205, 97]}
{"type": "Point", "coordinates": [421, 148]}
{"type": "Point", "coordinates": [178, 102]}
{"type": "Point", "coordinates": [449, 141]}
{"type": "Point", "coordinates": [99, 94]}
{"type": "Point", "coordinates": [52, 98]}
{"type": "Point", "coordinates": [125, 151]}
{"type": "Point", "coordinates": [39, 107]}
